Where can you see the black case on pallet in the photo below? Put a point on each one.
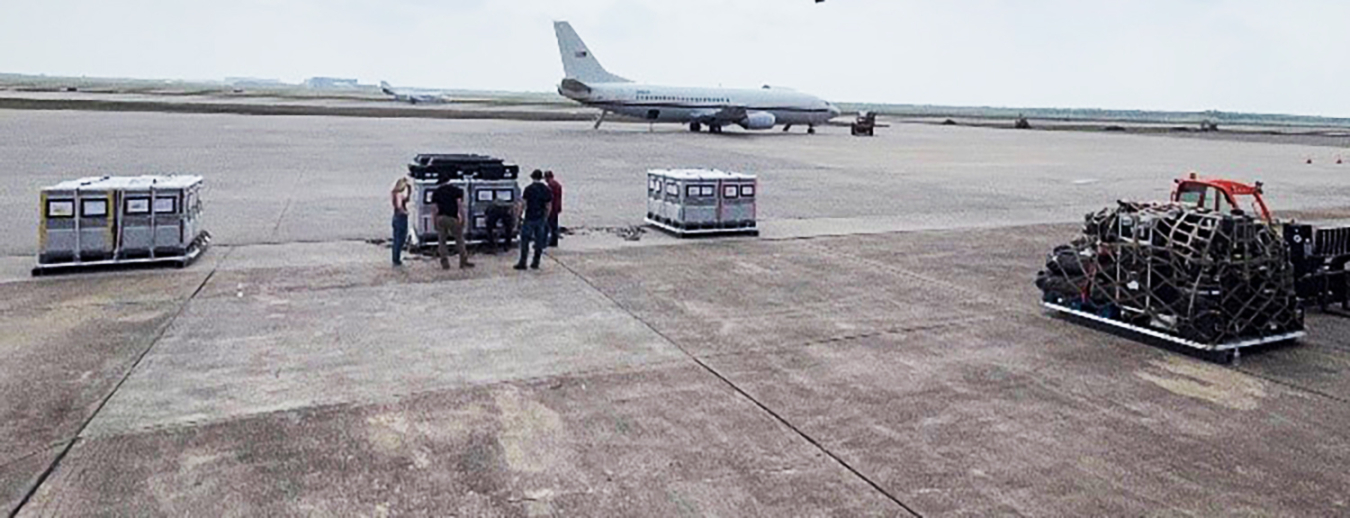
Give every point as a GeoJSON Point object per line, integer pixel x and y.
{"type": "Point", "coordinates": [430, 166]}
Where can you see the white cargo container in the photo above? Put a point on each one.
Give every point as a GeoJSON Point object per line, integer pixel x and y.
{"type": "Point", "coordinates": [120, 220]}
{"type": "Point", "coordinates": [478, 196]}
{"type": "Point", "coordinates": [701, 201]}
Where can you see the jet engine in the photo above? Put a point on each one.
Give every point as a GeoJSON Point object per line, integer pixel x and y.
{"type": "Point", "coordinates": [758, 121]}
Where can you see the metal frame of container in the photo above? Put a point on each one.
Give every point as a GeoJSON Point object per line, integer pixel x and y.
{"type": "Point", "coordinates": [478, 196]}
{"type": "Point", "coordinates": [120, 220]}
{"type": "Point", "coordinates": [1230, 347]}
{"type": "Point", "coordinates": [702, 201]}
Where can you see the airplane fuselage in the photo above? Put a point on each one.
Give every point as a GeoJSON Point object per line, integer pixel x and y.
{"type": "Point", "coordinates": [692, 104]}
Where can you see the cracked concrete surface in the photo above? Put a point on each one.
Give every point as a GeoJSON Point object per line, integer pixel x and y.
{"type": "Point", "coordinates": [823, 371]}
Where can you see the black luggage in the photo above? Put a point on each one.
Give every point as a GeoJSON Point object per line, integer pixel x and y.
{"type": "Point", "coordinates": [434, 166]}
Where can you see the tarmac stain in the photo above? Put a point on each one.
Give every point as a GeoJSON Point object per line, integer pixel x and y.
{"type": "Point", "coordinates": [1206, 382]}
{"type": "Point", "coordinates": [386, 432]}
{"type": "Point", "coordinates": [140, 317]}
{"type": "Point", "coordinates": [529, 432]}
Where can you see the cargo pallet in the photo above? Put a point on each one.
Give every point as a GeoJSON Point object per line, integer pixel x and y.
{"type": "Point", "coordinates": [194, 250]}
{"type": "Point", "coordinates": [1230, 347]}
{"type": "Point", "coordinates": [702, 230]}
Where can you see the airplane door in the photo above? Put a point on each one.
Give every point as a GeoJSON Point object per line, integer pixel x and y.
{"type": "Point", "coordinates": [653, 114]}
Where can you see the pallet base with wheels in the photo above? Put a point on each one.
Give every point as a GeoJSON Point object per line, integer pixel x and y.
{"type": "Point", "coordinates": [682, 232]}
{"type": "Point", "coordinates": [194, 250]}
{"type": "Point", "coordinates": [1230, 347]}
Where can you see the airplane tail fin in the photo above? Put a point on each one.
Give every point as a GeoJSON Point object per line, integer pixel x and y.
{"type": "Point", "coordinates": [578, 61]}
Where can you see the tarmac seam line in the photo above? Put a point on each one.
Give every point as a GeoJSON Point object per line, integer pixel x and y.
{"type": "Point", "coordinates": [800, 433]}
{"type": "Point", "coordinates": [69, 445]}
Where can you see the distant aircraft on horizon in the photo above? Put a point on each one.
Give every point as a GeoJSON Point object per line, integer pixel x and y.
{"type": "Point", "coordinates": [415, 96]}
{"type": "Point", "coordinates": [590, 84]}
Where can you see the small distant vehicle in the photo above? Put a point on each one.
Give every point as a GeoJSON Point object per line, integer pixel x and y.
{"type": "Point", "coordinates": [865, 124]}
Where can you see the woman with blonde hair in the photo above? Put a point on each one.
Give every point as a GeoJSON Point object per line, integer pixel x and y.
{"type": "Point", "coordinates": [399, 196]}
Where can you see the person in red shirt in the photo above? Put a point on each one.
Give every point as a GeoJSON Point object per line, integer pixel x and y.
{"type": "Point", "coordinates": [552, 228]}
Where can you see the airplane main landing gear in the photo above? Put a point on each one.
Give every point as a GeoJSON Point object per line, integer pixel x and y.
{"type": "Point", "coordinates": [714, 128]}
{"type": "Point", "coordinates": [811, 130]}
{"type": "Point", "coordinates": [694, 127]}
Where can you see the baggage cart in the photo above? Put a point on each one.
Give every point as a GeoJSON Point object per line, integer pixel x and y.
{"type": "Point", "coordinates": [478, 196]}
{"type": "Point", "coordinates": [701, 201]}
{"type": "Point", "coordinates": [120, 220]}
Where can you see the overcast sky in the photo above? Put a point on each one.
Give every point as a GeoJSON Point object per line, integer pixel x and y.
{"type": "Point", "coordinates": [1233, 55]}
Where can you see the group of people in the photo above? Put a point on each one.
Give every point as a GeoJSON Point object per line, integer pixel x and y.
{"type": "Point", "coordinates": [537, 209]}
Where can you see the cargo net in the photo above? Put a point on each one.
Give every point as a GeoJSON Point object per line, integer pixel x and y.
{"type": "Point", "coordinates": [1193, 273]}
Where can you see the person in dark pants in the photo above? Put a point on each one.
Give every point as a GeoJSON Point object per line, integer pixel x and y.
{"type": "Point", "coordinates": [450, 219]}
{"type": "Point", "coordinates": [556, 189]}
{"type": "Point", "coordinates": [399, 197]}
{"type": "Point", "coordinates": [537, 199]}
{"type": "Point", "coordinates": [503, 213]}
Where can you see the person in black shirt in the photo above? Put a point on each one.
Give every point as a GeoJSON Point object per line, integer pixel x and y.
{"type": "Point", "coordinates": [556, 189]}
{"type": "Point", "coordinates": [538, 202]}
{"type": "Point", "coordinates": [450, 220]}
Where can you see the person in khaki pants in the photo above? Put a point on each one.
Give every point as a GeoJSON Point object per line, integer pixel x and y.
{"type": "Point", "coordinates": [450, 218]}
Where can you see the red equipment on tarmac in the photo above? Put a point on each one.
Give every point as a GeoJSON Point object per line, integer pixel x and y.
{"type": "Point", "coordinates": [1209, 269]}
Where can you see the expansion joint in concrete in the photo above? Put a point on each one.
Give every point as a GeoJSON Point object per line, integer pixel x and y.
{"type": "Point", "coordinates": [752, 399]}
{"type": "Point", "coordinates": [70, 444]}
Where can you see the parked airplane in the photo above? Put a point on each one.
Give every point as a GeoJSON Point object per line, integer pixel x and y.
{"type": "Point", "coordinates": [590, 84]}
{"type": "Point", "coordinates": [414, 96]}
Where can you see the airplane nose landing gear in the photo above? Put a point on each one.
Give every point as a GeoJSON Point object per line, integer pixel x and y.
{"type": "Point", "coordinates": [811, 130]}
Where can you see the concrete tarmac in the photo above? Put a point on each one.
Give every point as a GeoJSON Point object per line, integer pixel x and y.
{"type": "Point", "coordinates": [878, 352]}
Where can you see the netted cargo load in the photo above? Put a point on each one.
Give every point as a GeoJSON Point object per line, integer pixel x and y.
{"type": "Point", "coordinates": [1203, 276]}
